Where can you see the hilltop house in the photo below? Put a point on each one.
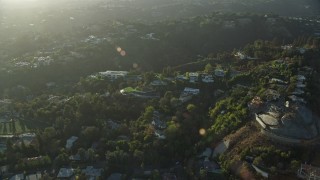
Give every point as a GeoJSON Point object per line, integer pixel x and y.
{"type": "Point", "coordinates": [181, 77]}
{"type": "Point", "coordinates": [192, 91]}
{"type": "Point", "coordinates": [193, 77]}
{"type": "Point", "coordinates": [309, 172]}
{"type": "Point", "coordinates": [159, 134]}
{"type": "Point", "coordinates": [207, 78]}
{"type": "Point", "coordinates": [275, 80]}
{"type": "Point", "coordinates": [188, 93]}
{"type": "Point", "coordinates": [240, 55]}
{"type": "Point", "coordinates": [113, 75]}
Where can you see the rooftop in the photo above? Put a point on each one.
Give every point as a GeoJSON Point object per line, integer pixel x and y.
{"type": "Point", "coordinates": [65, 173]}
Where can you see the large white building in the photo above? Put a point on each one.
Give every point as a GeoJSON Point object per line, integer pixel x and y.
{"type": "Point", "coordinates": [113, 75]}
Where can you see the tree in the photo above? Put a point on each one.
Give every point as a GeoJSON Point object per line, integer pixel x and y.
{"type": "Point", "coordinates": [257, 161]}
{"type": "Point", "coordinates": [90, 134]}
{"type": "Point", "coordinates": [191, 108]}
{"type": "Point", "coordinates": [208, 68]}
{"type": "Point", "coordinates": [117, 158]}
{"type": "Point", "coordinates": [148, 113]}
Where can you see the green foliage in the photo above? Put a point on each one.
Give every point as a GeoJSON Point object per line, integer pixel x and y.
{"type": "Point", "coordinates": [229, 113]}
{"type": "Point", "coordinates": [191, 108]}
{"type": "Point", "coordinates": [208, 68]}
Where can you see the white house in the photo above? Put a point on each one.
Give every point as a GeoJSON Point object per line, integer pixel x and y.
{"type": "Point", "coordinates": [71, 141]}
{"type": "Point", "coordinates": [192, 91]}
{"type": "Point", "coordinates": [240, 55]}
{"type": "Point", "coordinates": [159, 134]}
{"type": "Point", "coordinates": [207, 78]}
{"type": "Point", "coordinates": [193, 77]}
{"type": "Point", "coordinates": [275, 80]}
{"type": "Point", "coordinates": [113, 75]}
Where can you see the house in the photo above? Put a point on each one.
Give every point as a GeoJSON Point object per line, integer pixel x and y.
{"type": "Point", "coordinates": [158, 124]}
{"type": "Point", "coordinates": [92, 173]}
{"type": "Point", "coordinates": [188, 93]}
{"type": "Point", "coordinates": [287, 47]}
{"type": "Point", "coordinates": [309, 172]}
{"type": "Point", "coordinates": [71, 141]}
{"type": "Point", "coordinates": [181, 77]}
{"type": "Point", "coordinates": [240, 55]}
{"type": "Point", "coordinates": [36, 176]}
{"type": "Point", "coordinates": [113, 75]}
{"type": "Point", "coordinates": [150, 36]}
{"type": "Point", "coordinates": [185, 97]}
{"type": "Point", "coordinates": [65, 173]}
{"type": "Point", "coordinates": [28, 138]}
{"type": "Point", "coordinates": [210, 166]}
{"type": "Point", "coordinates": [294, 98]}
{"type": "Point", "coordinates": [268, 119]}
{"type": "Point", "coordinates": [158, 83]}
{"type": "Point", "coordinates": [219, 73]}
{"type": "Point", "coordinates": [275, 80]}
{"type": "Point", "coordinates": [159, 134]}
{"type": "Point", "coordinates": [207, 78]}
{"type": "Point", "coordinates": [192, 91]}
{"type": "Point", "coordinates": [193, 77]}
{"type": "Point", "coordinates": [17, 177]}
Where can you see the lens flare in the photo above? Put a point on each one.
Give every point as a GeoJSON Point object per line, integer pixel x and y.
{"type": "Point", "coordinates": [123, 53]}
{"type": "Point", "coordinates": [202, 132]}
{"type": "Point", "coordinates": [135, 65]}
{"type": "Point", "coordinates": [119, 49]}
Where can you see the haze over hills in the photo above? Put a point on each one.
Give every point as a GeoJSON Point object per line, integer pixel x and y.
{"type": "Point", "coordinates": [159, 89]}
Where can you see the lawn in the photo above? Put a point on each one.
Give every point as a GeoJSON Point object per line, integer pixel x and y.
{"type": "Point", "coordinates": [19, 126]}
